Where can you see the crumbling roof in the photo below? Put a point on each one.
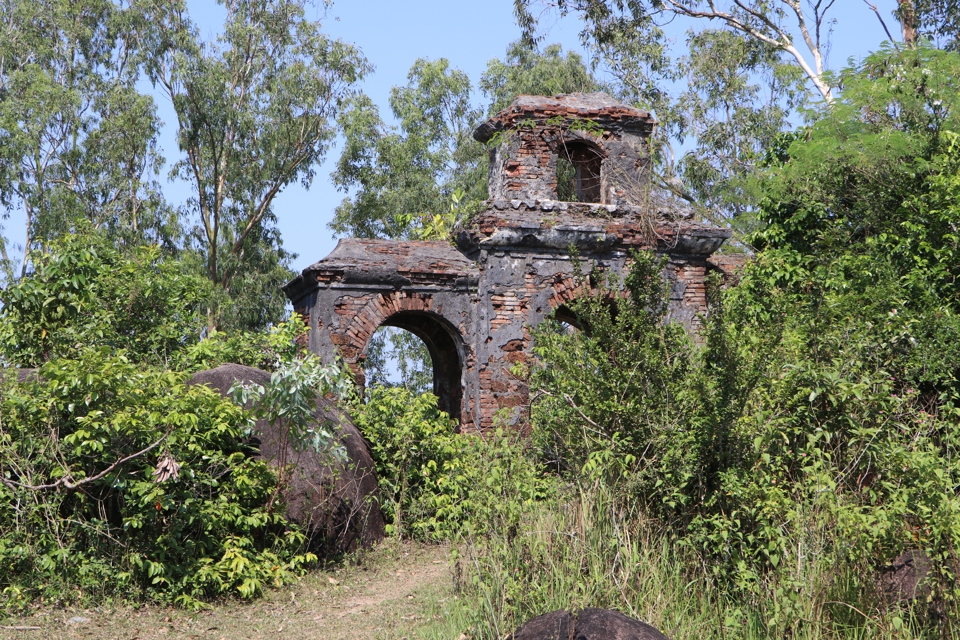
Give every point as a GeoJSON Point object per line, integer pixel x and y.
{"type": "Point", "coordinates": [390, 263]}
{"type": "Point", "coordinates": [598, 107]}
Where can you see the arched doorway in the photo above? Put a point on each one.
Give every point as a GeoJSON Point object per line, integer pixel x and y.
{"type": "Point", "coordinates": [566, 319]}
{"type": "Point", "coordinates": [447, 353]}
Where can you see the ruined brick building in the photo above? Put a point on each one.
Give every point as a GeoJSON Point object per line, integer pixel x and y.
{"type": "Point", "coordinates": [473, 303]}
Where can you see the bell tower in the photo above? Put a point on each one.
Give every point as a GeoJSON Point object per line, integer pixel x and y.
{"type": "Point", "coordinates": [572, 148]}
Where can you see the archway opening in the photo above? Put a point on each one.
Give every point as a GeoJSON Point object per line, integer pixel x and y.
{"type": "Point", "coordinates": [432, 355]}
{"type": "Point", "coordinates": [578, 172]}
{"type": "Point", "coordinates": [397, 358]}
{"type": "Point", "coordinates": [566, 320]}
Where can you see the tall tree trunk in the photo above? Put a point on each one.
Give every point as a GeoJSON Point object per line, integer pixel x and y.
{"type": "Point", "coordinates": [908, 22]}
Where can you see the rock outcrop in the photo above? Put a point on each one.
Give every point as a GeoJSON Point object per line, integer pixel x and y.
{"type": "Point", "coordinates": [589, 624]}
{"type": "Point", "coordinates": [337, 502]}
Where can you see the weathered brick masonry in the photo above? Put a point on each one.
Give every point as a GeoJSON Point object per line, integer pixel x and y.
{"type": "Point", "coordinates": [473, 304]}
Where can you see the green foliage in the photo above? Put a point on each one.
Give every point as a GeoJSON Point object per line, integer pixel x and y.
{"type": "Point", "coordinates": [77, 138]}
{"type": "Point", "coordinates": [265, 350]}
{"type": "Point", "coordinates": [739, 95]}
{"type": "Point", "coordinates": [436, 483]}
{"type": "Point", "coordinates": [861, 215]}
{"type": "Point", "coordinates": [588, 549]}
{"type": "Point", "coordinates": [624, 416]}
{"type": "Point", "coordinates": [290, 402]}
{"type": "Point", "coordinates": [86, 292]}
{"type": "Point", "coordinates": [818, 418]}
{"type": "Point", "coordinates": [529, 71]}
{"type": "Point", "coordinates": [938, 20]}
{"type": "Point", "coordinates": [805, 426]}
{"type": "Point", "coordinates": [118, 481]}
{"type": "Point", "coordinates": [853, 305]}
{"type": "Point", "coordinates": [832, 436]}
{"type": "Point", "coordinates": [411, 171]}
{"type": "Point", "coordinates": [858, 175]}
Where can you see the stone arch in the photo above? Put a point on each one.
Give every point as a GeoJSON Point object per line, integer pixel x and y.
{"type": "Point", "coordinates": [566, 289]}
{"type": "Point", "coordinates": [414, 312]}
{"type": "Point", "coordinates": [565, 315]}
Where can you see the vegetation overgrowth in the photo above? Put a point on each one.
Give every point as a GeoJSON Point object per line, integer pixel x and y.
{"type": "Point", "coordinates": [779, 465]}
{"type": "Point", "coordinates": [754, 480]}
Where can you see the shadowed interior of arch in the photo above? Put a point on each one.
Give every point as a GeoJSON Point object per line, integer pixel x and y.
{"type": "Point", "coordinates": [445, 346]}
{"type": "Point", "coordinates": [566, 319]}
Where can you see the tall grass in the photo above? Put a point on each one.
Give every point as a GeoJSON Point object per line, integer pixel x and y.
{"type": "Point", "coordinates": [589, 550]}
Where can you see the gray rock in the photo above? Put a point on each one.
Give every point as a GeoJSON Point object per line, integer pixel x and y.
{"type": "Point", "coordinates": [907, 577]}
{"type": "Point", "coordinates": [589, 624]}
{"type": "Point", "coordinates": [337, 502]}
{"type": "Point", "coordinates": [27, 375]}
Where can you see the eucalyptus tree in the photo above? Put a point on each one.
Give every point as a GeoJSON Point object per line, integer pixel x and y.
{"type": "Point", "coordinates": [532, 71]}
{"type": "Point", "coordinates": [77, 138]}
{"type": "Point", "coordinates": [746, 71]}
{"type": "Point", "coordinates": [254, 113]}
{"type": "Point", "coordinates": [938, 20]}
{"type": "Point", "coordinates": [403, 173]}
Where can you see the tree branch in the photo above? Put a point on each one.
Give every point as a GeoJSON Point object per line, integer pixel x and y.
{"type": "Point", "coordinates": [67, 481]}
{"type": "Point", "coordinates": [779, 40]}
{"type": "Point", "coordinates": [873, 8]}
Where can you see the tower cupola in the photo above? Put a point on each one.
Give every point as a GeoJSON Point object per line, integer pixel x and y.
{"type": "Point", "coordinates": [579, 147]}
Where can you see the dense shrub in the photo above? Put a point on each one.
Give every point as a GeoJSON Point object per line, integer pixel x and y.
{"type": "Point", "coordinates": [436, 483]}
{"type": "Point", "coordinates": [85, 292]}
{"type": "Point", "coordinates": [616, 400]}
{"type": "Point", "coordinates": [265, 350]}
{"type": "Point", "coordinates": [117, 481]}
{"type": "Point", "coordinates": [817, 423]}
{"type": "Point", "coordinates": [795, 434]}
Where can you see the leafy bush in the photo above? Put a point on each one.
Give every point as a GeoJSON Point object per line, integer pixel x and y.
{"type": "Point", "coordinates": [650, 413]}
{"type": "Point", "coordinates": [290, 403]}
{"type": "Point", "coordinates": [261, 349]}
{"type": "Point", "coordinates": [795, 431]}
{"type": "Point", "coordinates": [818, 420]}
{"type": "Point", "coordinates": [436, 483]}
{"type": "Point", "coordinates": [86, 292]}
{"type": "Point", "coordinates": [118, 481]}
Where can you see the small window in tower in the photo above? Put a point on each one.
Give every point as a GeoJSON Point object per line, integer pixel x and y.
{"type": "Point", "coordinates": [578, 173]}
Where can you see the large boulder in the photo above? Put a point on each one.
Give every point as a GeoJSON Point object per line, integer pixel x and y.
{"type": "Point", "coordinates": [336, 502]}
{"type": "Point", "coordinates": [907, 578]}
{"type": "Point", "coordinates": [589, 624]}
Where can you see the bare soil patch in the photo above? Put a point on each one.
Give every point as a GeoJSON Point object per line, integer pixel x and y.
{"type": "Point", "coordinates": [398, 590]}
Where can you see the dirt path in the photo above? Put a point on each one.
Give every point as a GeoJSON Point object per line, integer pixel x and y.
{"type": "Point", "coordinates": [398, 591]}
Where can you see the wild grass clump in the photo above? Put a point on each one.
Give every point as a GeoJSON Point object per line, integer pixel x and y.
{"type": "Point", "coordinates": [590, 550]}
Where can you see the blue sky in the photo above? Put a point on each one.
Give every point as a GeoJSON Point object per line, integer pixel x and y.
{"type": "Point", "coordinates": [393, 34]}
